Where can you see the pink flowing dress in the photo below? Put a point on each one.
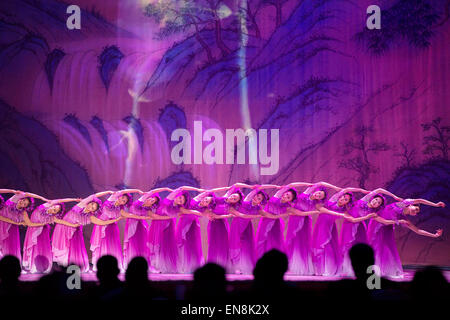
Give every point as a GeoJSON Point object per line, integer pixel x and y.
{"type": "Point", "coordinates": [189, 241]}
{"type": "Point", "coordinates": [105, 240]}
{"type": "Point", "coordinates": [68, 245]}
{"type": "Point", "coordinates": [242, 240]}
{"type": "Point", "coordinates": [382, 239]}
{"type": "Point", "coordinates": [325, 241]}
{"type": "Point", "coordinates": [37, 249]}
{"type": "Point", "coordinates": [162, 243]}
{"type": "Point", "coordinates": [136, 233]}
{"type": "Point", "coordinates": [353, 233]}
{"type": "Point", "coordinates": [218, 231]}
{"type": "Point", "coordinates": [270, 231]}
{"type": "Point", "coordinates": [9, 233]}
{"type": "Point", "coordinates": [298, 236]}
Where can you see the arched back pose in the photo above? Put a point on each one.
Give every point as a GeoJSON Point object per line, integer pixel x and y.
{"type": "Point", "coordinates": [67, 241]}
{"type": "Point", "coordinates": [327, 257]}
{"type": "Point", "coordinates": [381, 235]}
{"type": "Point", "coordinates": [37, 249]}
{"type": "Point", "coordinates": [218, 229]}
{"type": "Point", "coordinates": [135, 242]}
{"type": "Point", "coordinates": [163, 246]}
{"type": "Point", "coordinates": [353, 233]}
{"type": "Point", "coordinates": [188, 231]}
{"type": "Point", "coordinates": [14, 213]}
{"type": "Point", "coordinates": [298, 236]}
{"type": "Point", "coordinates": [242, 235]}
{"type": "Point", "coordinates": [271, 226]}
{"type": "Point", "coordinates": [105, 239]}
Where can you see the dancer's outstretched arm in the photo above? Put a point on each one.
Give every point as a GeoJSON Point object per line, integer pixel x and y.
{"type": "Point", "coordinates": [28, 222]}
{"type": "Point", "coordinates": [36, 196]}
{"type": "Point", "coordinates": [250, 196]}
{"type": "Point", "coordinates": [173, 194]}
{"type": "Point", "coordinates": [189, 188]}
{"type": "Point", "coordinates": [103, 193]}
{"type": "Point", "coordinates": [355, 190]}
{"type": "Point", "coordinates": [150, 216]}
{"type": "Point", "coordinates": [130, 191]}
{"type": "Point", "coordinates": [183, 210]}
{"type": "Point", "coordinates": [266, 214]}
{"type": "Point", "coordinates": [296, 212]}
{"type": "Point", "coordinates": [55, 201]}
{"type": "Point", "coordinates": [439, 204]}
{"type": "Point", "coordinates": [346, 215]}
{"type": "Point", "coordinates": [9, 191]}
{"type": "Point", "coordinates": [257, 188]}
{"type": "Point", "coordinates": [384, 221]}
{"type": "Point", "coordinates": [267, 186]}
{"type": "Point", "coordinates": [11, 221]}
{"type": "Point", "coordinates": [214, 216]}
{"type": "Point", "coordinates": [100, 222]}
{"type": "Point", "coordinates": [63, 222]}
{"type": "Point", "coordinates": [383, 191]}
{"type": "Point", "coordinates": [243, 185]}
{"type": "Point", "coordinates": [299, 184]}
{"type": "Point", "coordinates": [328, 185]}
{"type": "Point", "coordinates": [159, 190]}
{"type": "Point", "coordinates": [239, 214]}
{"type": "Point", "coordinates": [202, 195]}
{"type": "Point", "coordinates": [220, 189]}
{"type": "Point", "coordinates": [412, 227]}
{"type": "Point", "coordinates": [359, 219]}
{"type": "Point", "coordinates": [282, 190]}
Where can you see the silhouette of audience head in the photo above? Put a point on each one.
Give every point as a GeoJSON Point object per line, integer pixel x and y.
{"type": "Point", "coordinates": [209, 282]}
{"type": "Point", "coordinates": [107, 269]}
{"type": "Point", "coordinates": [271, 267]}
{"type": "Point", "coordinates": [9, 270]}
{"type": "Point", "coordinates": [137, 271]}
{"type": "Point", "coordinates": [361, 256]}
{"type": "Point", "coordinates": [430, 284]}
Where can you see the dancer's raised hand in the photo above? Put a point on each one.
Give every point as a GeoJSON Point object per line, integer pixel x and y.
{"type": "Point", "coordinates": [438, 233]}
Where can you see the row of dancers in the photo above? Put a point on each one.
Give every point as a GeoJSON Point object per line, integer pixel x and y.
{"type": "Point", "coordinates": [177, 248]}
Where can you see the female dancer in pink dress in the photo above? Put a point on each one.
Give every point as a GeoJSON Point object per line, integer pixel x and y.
{"type": "Point", "coordinates": [381, 235]}
{"type": "Point", "coordinates": [326, 256]}
{"type": "Point", "coordinates": [163, 240]}
{"type": "Point", "coordinates": [37, 249]}
{"type": "Point", "coordinates": [218, 229]}
{"type": "Point", "coordinates": [14, 213]}
{"type": "Point", "coordinates": [135, 242]}
{"type": "Point", "coordinates": [298, 236]}
{"type": "Point", "coordinates": [105, 239]}
{"type": "Point", "coordinates": [353, 233]}
{"type": "Point", "coordinates": [242, 236]}
{"type": "Point", "coordinates": [67, 242]}
{"type": "Point", "coordinates": [188, 231]}
{"type": "Point", "coordinates": [271, 226]}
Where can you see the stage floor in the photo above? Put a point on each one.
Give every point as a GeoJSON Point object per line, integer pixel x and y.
{"type": "Point", "coordinates": [91, 276]}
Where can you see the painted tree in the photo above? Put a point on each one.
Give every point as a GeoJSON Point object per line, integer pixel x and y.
{"type": "Point", "coordinates": [437, 141]}
{"type": "Point", "coordinates": [406, 154]}
{"type": "Point", "coordinates": [251, 11]}
{"type": "Point", "coordinates": [410, 20]}
{"type": "Point", "coordinates": [278, 5]}
{"type": "Point", "coordinates": [363, 148]}
{"type": "Point", "coordinates": [190, 16]}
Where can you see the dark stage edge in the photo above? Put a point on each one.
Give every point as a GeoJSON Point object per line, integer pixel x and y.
{"type": "Point", "coordinates": [91, 276]}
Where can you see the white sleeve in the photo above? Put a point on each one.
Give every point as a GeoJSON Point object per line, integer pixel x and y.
{"type": "Point", "coordinates": [114, 197]}
{"type": "Point", "coordinates": [144, 197]}
{"type": "Point", "coordinates": [15, 198]}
